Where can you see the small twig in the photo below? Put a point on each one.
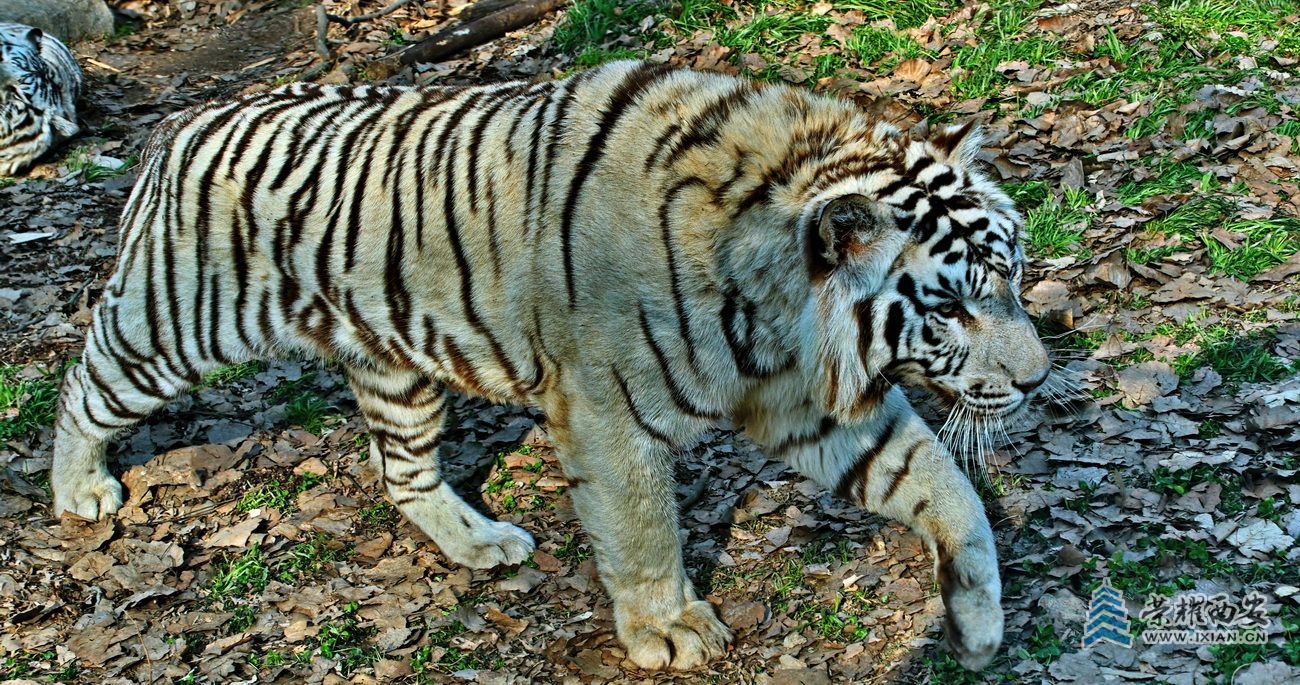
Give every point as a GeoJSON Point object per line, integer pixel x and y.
{"type": "Point", "coordinates": [350, 21]}
{"type": "Point", "coordinates": [697, 490]}
{"type": "Point", "coordinates": [322, 27]}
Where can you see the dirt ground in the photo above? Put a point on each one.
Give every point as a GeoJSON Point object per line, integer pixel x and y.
{"type": "Point", "coordinates": [256, 545]}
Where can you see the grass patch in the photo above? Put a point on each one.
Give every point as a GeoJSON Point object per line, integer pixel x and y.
{"type": "Point", "coordinates": [1001, 39]}
{"type": "Point", "coordinates": [1169, 178]}
{"type": "Point", "coordinates": [770, 28]}
{"type": "Point", "coordinates": [1175, 566]}
{"type": "Point", "coordinates": [308, 559]}
{"type": "Point", "coordinates": [231, 374]}
{"type": "Point", "coordinates": [26, 404]}
{"type": "Point", "coordinates": [1238, 357]}
{"type": "Point", "coordinates": [379, 516]}
{"type": "Point", "coordinates": [30, 665]}
{"type": "Point", "coordinates": [573, 551]}
{"type": "Point", "coordinates": [883, 49]}
{"type": "Point", "coordinates": [310, 412]}
{"type": "Point", "coordinates": [345, 641]}
{"type": "Point", "coordinates": [239, 576]}
{"type": "Point", "coordinates": [1052, 228]}
{"type": "Point", "coordinates": [1232, 27]}
{"type": "Point", "coordinates": [277, 494]}
{"type": "Point", "coordinates": [1260, 243]}
{"type": "Point", "coordinates": [439, 655]}
{"type": "Point", "coordinates": [589, 23]}
{"type": "Point", "coordinates": [592, 56]}
{"type": "Point", "coordinates": [82, 162]}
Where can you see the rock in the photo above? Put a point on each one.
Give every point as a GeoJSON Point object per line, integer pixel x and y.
{"type": "Point", "coordinates": [67, 20]}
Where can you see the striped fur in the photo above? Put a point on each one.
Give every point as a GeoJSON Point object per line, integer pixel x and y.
{"type": "Point", "coordinates": [39, 85]}
{"type": "Point", "coordinates": [640, 252]}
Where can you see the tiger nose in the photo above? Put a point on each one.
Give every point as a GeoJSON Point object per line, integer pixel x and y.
{"type": "Point", "coordinates": [1029, 386]}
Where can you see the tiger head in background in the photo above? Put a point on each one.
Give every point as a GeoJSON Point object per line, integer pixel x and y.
{"type": "Point", "coordinates": [39, 85]}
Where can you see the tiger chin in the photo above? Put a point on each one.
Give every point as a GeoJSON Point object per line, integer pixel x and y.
{"type": "Point", "coordinates": [640, 252]}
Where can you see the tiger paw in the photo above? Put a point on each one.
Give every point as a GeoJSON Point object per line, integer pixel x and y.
{"type": "Point", "coordinates": [90, 496]}
{"type": "Point", "coordinates": [685, 641]}
{"type": "Point", "coordinates": [486, 543]}
{"type": "Point", "coordinates": [972, 596]}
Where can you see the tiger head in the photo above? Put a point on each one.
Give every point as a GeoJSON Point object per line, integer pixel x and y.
{"type": "Point", "coordinates": [917, 270]}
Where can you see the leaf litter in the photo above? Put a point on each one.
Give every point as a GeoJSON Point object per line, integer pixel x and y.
{"type": "Point", "coordinates": [256, 543]}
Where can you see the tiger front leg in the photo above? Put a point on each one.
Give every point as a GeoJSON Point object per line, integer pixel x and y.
{"type": "Point", "coordinates": [890, 463]}
{"type": "Point", "coordinates": [622, 489]}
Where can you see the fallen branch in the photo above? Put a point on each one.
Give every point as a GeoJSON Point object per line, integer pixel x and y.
{"type": "Point", "coordinates": [481, 9]}
{"type": "Point", "coordinates": [322, 28]}
{"type": "Point", "coordinates": [691, 496]}
{"type": "Point", "coordinates": [350, 21]}
{"type": "Point", "coordinates": [450, 41]}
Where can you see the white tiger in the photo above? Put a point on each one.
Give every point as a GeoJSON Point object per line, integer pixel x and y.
{"type": "Point", "coordinates": [639, 251]}
{"type": "Point", "coordinates": [39, 85]}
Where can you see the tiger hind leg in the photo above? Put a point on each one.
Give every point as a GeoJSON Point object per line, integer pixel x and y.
{"type": "Point", "coordinates": [112, 389]}
{"type": "Point", "coordinates": [406, 412]}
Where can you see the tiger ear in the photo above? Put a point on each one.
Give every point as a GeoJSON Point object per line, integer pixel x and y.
{"type": "Point", "coordinates": [843, 227]}
{"type": "Point", "coordinates": [960, 144]}
{"type": "Point", "coordinates": [34, 37]}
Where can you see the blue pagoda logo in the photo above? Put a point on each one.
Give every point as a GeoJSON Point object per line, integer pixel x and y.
{"type": "Point", "coordinates": [1107, 618]}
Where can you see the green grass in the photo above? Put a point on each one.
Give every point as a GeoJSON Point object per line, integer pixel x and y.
{"type": "Point", "coordinates": [573, 551]}
{"type": "Point", "coordinates": [1232, 27]}
{"type": "Point", "coordinates": [26, 405]}
{"type": "Point", "coordinates": [233, 580]}
{"type": "Point", "coordinates": [310, 412]}
{"type": "Point", "coordinates": [426, 669]}
{"type": "Point", "coordinates": [239, 576]}
{"type": "Point", "coordinates": [594, 56]}
{"type": "Point", "coordinates": [1238, 357]}
{"type": "Point", "coordinates": [882, 49]}
{"type": "Point", "coordinates": [589, 23]}
{"type": "Point", "coordinates": [1001, 39]}
{"type": "Point", "coordinates": [277, 494]}
{"type": "Point", "coordinates": [345, 641]}
{"type": "Point", "coordinates": [1052, 228]}
{"type": "Point", "coordinates": [1169, 178]}
{"type": "Point", "coordinates": [308, 559]}
{"type": "Point", "coordinates": [1289, 128]}
{"type": "Point", "coordinates": [232, 374]}
{"type": "Point", "coordinates": [772, 28]}
{"type": "Point", "coordinates": [1174, 565]}
{"type": "Point", "coordinates": [81, 161]}
{"type": "Point", "coordinates": [1264, 243]}
{"type": "Point", "coordinates": [1229, 659]}
{"type": "Point", "coordinates": [379, 516]}
{"type": "Point", "coordinates": [27, 665]}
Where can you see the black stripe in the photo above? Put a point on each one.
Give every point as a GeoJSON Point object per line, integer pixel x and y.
{"type": "Point", "coordinates": [636, 414]}
{"type": "Point", "coordinates": [674, 280]}
{"type": "Point", "coordinates": [704, 128]}
{"type": "Point", "coordinates": [902, 473]}
{"type": "Point", "coordinates": [465, 272]}
{"type": "Point", "coordinates": [792, 442]}
{"type": "Point", "coordinates": [855, 479]}
{"type": "Point", "coordinates": [633, 85]}
{"type": "Point", "coordinates": [675, 390]}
